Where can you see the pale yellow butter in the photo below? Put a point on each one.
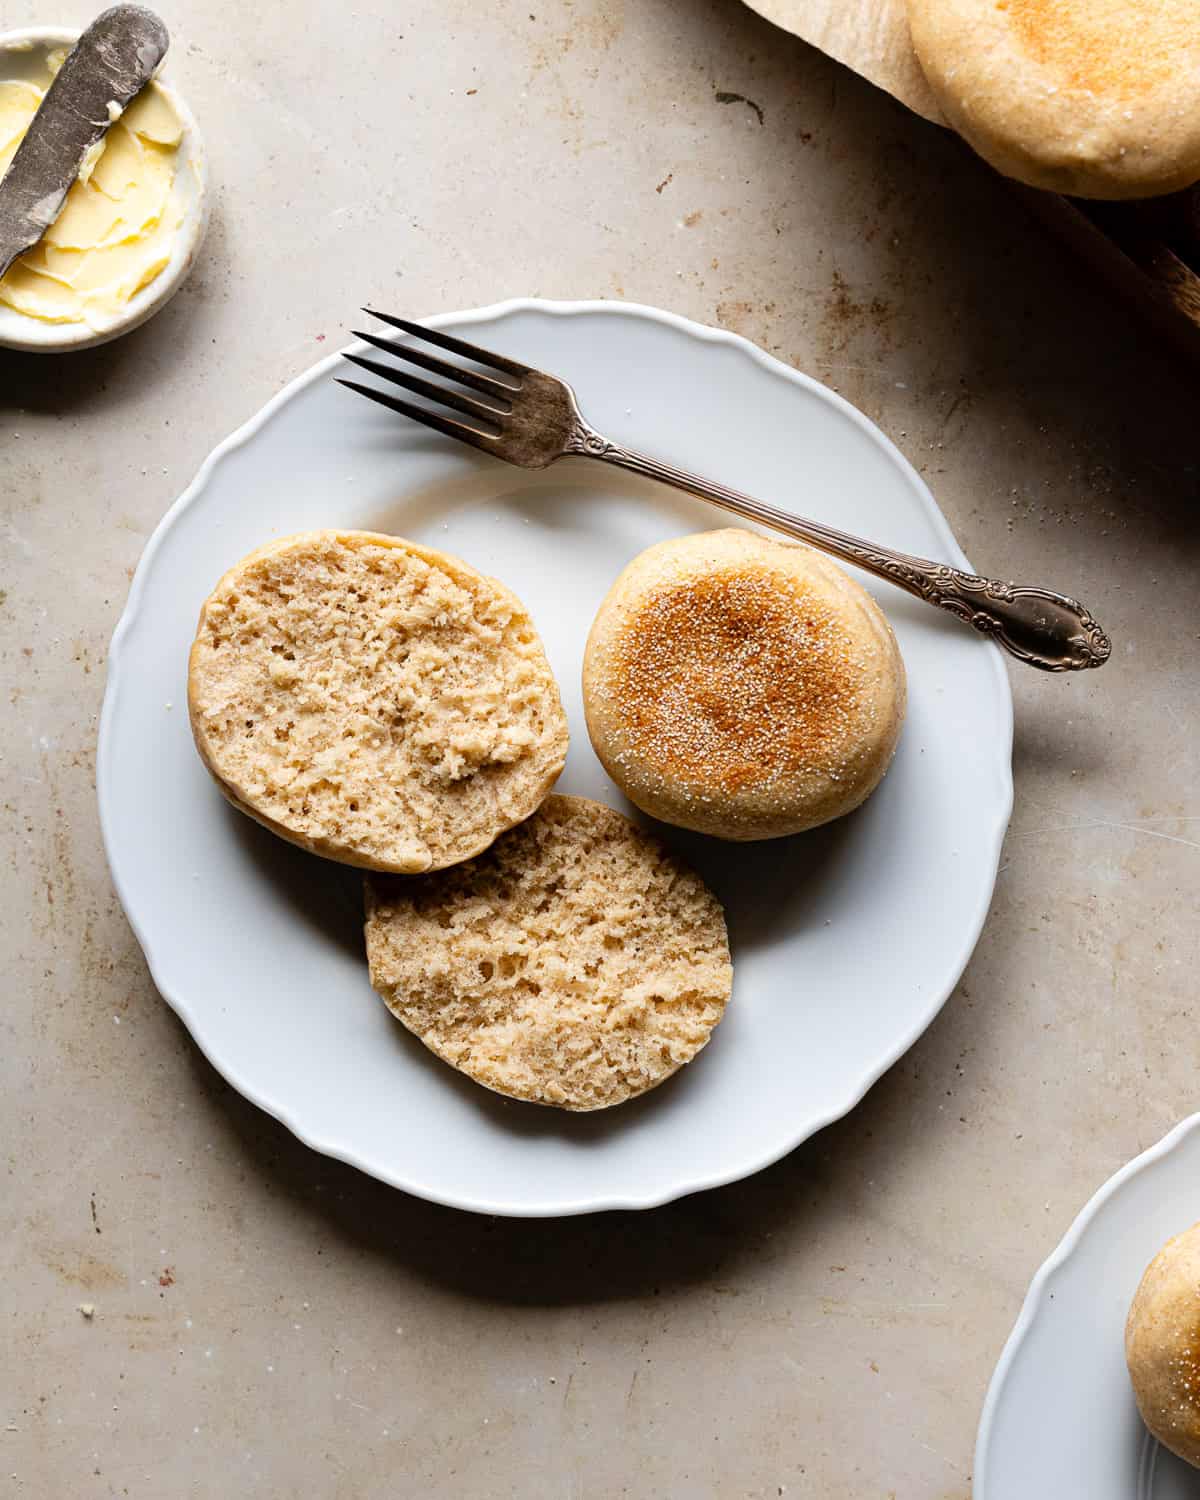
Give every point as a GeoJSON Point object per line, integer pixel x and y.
{"type": "Point", "coordinates": [115, 231]}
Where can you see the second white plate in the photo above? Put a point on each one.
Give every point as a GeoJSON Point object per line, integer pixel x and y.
{"type": "Point", "coordinates": [846, 941]}
{"type": "Point", "coordinates": [1060, 1419]}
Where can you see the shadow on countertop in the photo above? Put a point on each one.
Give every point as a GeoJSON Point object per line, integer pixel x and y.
{"type": "Point", "coordinates": [586, 1259]}
{"type": "Point", "coordinates": [122, 371]}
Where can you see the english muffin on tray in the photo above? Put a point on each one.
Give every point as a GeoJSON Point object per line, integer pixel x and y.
{"type": "Point", "coordinates": [1092, 97]}
{"type": "Point", "coordinates": [742, 687]}
{"type": "Point", "coordinates": [576, 963]}
{"type": "Point", "coordinates": [375, 701]}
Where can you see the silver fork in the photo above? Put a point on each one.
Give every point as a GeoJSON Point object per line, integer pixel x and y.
{"type": "Point", "coordinates": [529, 418]}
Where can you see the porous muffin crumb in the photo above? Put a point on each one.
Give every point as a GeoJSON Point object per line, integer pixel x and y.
{"type": "Point", "coordinates": [378, 702]}
{"type": "Point", "coordinates": [576, 963]}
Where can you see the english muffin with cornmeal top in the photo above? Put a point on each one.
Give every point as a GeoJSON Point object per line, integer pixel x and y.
{"type": "Point", "coordinates": [375, 701]}
{"type": "Point", "coordinates": [742, 687]}
{"type": "Point", "coordinates": [1092, 97]}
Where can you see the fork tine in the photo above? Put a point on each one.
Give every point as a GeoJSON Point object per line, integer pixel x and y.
{"type": "Point", "coordinates": [436, 366]}
{"type": "Point", "coordinates": [427, 388]}
{"type": "Point", "coordinates": [455, 346]}
{"type": "Point", "coordinates": [445, 425]}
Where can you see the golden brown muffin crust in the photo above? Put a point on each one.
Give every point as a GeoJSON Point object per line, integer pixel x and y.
{"type": "Point", "coordinates": [736, 678]}
{"type": "Point", "coordinates": [741, 686]}
{"type": "Point", "coordinates": [1102, 48]}
{"type": "Point", "coordinates": [1090, 97]}
{"type": "Point", "coordinates": [1162, 1345]}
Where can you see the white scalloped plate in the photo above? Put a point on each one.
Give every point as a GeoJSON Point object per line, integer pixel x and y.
{"type": "Point", "coordinates": [846, 941]}
{"type": "Point", "coordinates": [1060, 1420]}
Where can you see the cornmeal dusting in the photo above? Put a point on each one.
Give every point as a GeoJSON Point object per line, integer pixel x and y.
{"type": "Point", "coordinates": [741, 686]}
{"type": "Point", "coordinates": [739, 678]}
{"type": "Point", "coordinates": [1104, 46]}
{"type": "Point", "coordinates": [1183, 1374]}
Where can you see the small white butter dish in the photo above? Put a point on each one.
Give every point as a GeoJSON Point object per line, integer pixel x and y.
{"type": "Point", "coordinates": [23, 55]}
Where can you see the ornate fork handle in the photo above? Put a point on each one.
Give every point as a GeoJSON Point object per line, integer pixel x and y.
{"type": "Point", "coordinates": [1038, 626]}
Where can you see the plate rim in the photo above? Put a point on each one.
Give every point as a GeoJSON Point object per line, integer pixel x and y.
{"type": "Point", "coordinates": [1035, 1295]}
{"type": "Point", "coordinates": [132, 611]}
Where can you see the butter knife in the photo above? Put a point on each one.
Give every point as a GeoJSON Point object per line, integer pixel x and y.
{"type": "Point", "coordinates": [113, 59]}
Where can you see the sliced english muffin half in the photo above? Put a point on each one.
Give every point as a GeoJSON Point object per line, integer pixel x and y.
{"type": "Point", "coordinates": [577, 963]}
{"type": "Point", "coordinates": [374, 701]}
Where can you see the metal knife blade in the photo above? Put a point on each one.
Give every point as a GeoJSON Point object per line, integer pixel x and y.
{"type": "Point", "coordinates": [114, 58]}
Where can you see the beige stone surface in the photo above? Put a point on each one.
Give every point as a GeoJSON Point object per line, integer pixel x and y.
{"type": "Point", "coordinates": [267, 1323]}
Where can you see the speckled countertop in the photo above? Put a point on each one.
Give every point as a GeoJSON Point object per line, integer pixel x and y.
{"type": "Point", "coordinates": [267, 1323]}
